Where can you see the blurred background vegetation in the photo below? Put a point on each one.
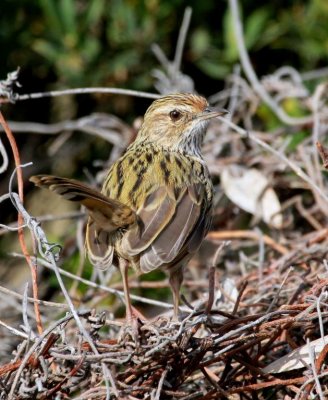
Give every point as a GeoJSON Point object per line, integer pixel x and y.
{"type": "Point", "coordinates": [78, 43]}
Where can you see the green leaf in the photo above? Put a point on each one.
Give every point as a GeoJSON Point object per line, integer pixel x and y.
{"type": "Point", "coordinates": [93, 13]}
{"type": "Point", "coordinates": [213, 68]}
{"type": "Point", "coordinates": [52, 16]}
{"type": "Point", "coordinates": [47, 49]}
{"type": "Point", "coordinates": [90, 49]}
{"type": "Point", "coordinates": [254, 26]}
{"type": "Point", "coordinates": [230, 44]}
{"type": "Point", "coordinates": [200, 42]}
{"type": "Point", "coordinates": [68, 17]}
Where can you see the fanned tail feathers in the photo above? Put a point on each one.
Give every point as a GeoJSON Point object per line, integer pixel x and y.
{"type": "Point", "coordinates": [107, 213]}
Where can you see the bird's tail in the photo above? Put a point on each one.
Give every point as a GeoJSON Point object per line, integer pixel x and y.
{"type": "Point", "coordinates": [105, 215]}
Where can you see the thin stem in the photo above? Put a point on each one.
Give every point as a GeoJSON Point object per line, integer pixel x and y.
{"type": "Point", "coordinates": [33, 267]}
{"type": "Point", "coordinates": [250, 73]}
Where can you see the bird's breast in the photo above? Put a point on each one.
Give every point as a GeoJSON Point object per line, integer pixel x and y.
{"type": "Point", "coordinates": [142, 170]}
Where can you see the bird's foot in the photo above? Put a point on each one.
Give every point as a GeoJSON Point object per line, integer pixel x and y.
{"type": "Point", "coordinates": [131, 329]}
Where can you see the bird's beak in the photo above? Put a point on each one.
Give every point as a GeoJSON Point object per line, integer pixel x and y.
{"type": "Point", "coordinates": [210, 112]}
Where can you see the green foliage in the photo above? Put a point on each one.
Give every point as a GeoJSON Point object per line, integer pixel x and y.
{"type": "Point", "coordinates": [217, 63]}
{"type": "Point", "coordinates": [155, 293]}
{"type": "Point", "coordinates": [90, 42]}
{"type": "Point", "coordinates": [71, 40]}
{"type": "Point", "coordinates": [307, 34]}
{"type": "Point", "coordinates": [267, 116]}
{"type": "Point", "coordinates": [293, 107]}
{"type": "Point", "coordinates": [296, 139]}
{"type": "Point", "coordinates": [101, 42]}
{"type": "Point", "coordinates": [300, 28]}
{"type": "Point", "coordinates": [79, 43]}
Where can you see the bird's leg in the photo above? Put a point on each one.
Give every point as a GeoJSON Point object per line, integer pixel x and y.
{"type": "Point", "coordinates": [131, 317]}
{"type": "Point", "coordinates": [175, 279]}
{"type": "Point", "coordinates": [124, 267]}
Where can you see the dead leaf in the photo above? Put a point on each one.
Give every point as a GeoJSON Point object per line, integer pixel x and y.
{"type": "Point", "coordinates": [250, 190]}
{"type": "Point", "coordinates": [298, 358]}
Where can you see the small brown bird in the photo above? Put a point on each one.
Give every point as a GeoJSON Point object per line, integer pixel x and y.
{"type": "Point", "coordinates": [156, 202]}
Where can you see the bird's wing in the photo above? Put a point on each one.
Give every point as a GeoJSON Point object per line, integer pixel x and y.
{"type": "Point", "coordinates": [168, 222]}
{"type": "Point", "coordinates": [153, 215]}
{"type": "Point", "coordinates": [108, 214]}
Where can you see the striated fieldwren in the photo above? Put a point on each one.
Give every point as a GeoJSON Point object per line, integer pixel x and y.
{"type": "Point", "coordinates": [156, 202]}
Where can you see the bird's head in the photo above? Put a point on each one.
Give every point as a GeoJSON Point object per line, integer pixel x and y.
{"type": "Point", "coordinates": [178, 122]}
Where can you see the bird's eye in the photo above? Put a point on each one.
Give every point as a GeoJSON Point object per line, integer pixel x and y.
{"type": "Point", "coordinates": [175, 115]}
